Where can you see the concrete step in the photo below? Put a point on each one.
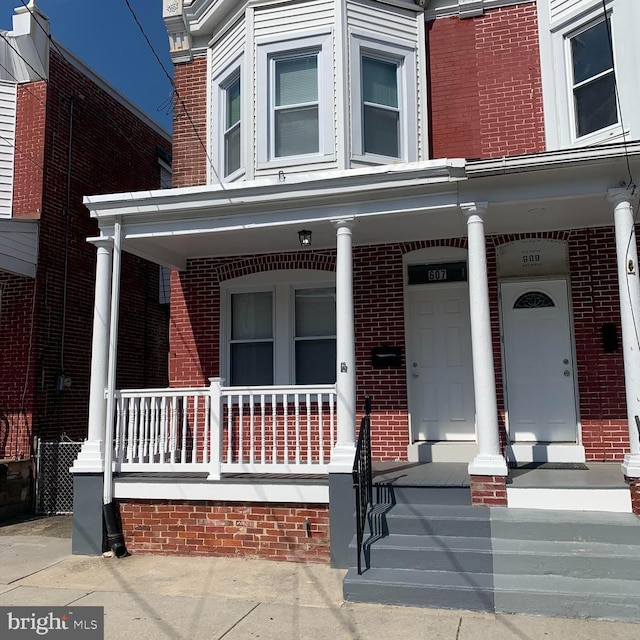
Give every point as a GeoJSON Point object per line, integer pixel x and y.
{"type": "Point", "coordinates": [585, 526]}
{"type": "Point", "coordinates": [398, 494]}
{"type": "Point", "coordinates": [433, 589]}
{"type": "Point", "coordinates": [431, 553]}
{"type": "Point", "coordinates": [437, 520]}
{"type": "Point", "coordinates": [603, 598]}
{"type": "Point", "coordinates": [577, 559]}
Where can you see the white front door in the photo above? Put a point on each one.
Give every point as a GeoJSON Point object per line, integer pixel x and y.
{"type": "Point", "coordinates": [440, 373]}
{"type": "Point", "coordinates": [539, 370]}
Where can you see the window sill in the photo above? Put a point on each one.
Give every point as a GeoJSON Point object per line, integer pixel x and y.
{"type": "Point", "coordinates": [295, 161]}
{"type": "Point", "coordinates": [614, 133]}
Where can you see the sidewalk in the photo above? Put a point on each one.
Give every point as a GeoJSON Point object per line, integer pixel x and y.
{"type": "Point", "coordinates": [162, 597]}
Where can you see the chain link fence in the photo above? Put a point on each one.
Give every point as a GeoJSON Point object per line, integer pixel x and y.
{"type": "Point", "coordinates": [54, 483]}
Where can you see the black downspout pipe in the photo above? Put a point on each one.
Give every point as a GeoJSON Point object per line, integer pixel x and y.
{"type": "Point", "coordinates": [115, 537]}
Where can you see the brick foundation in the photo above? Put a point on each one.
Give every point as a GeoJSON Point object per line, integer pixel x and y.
{"type": "Point", "coordinates": [634, 487]}
{"type": "Point", "coordinates": [490, 491]}
{"type": "Point", "coordinates": [298, 533]}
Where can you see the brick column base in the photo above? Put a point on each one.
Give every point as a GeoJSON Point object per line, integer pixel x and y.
{"type": "Point", "coordinates": [634, 487]}
{"type": "Point", "coordinates": [490, 491]}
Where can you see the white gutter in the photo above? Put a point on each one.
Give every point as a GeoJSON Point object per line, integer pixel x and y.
{"type": "Point", "coordinates": [552, 159]}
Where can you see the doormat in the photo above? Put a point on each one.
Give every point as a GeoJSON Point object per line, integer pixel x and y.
{"type": "Point", "coordinates": [553, 466]}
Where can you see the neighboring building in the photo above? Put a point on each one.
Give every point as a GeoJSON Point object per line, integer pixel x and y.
{"type": "Point", "coordinates": [65, 133]}
{"type": "Point", "coordinates": [460, 176]}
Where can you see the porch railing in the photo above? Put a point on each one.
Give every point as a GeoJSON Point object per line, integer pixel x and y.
{"type": "Point", "coordinates": [363, 479]}
{"type": "Point", "coordinates": [275, 429]}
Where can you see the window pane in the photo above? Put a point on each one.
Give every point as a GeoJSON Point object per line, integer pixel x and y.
{"type": "Point", "coordinates": [233, 103]}
{"type": "Point", "coordinates": [296, 131]}
{"type": "Point", "coordinates": [379, 82]}
{"type": "Point", "coordinates": [591, 53]}
{"type": "Point", "coordinates": [251, 316]}
{"type": "Point", "coordinates": [252, 364]}
{"type": "Point", "coordinates": [315, 362]}
{"type": "Point", "coordinates": [596, 105]}
{"type": "Point", "coordinates": [381, 131]}
{"type": "Point", "coordinates": [315, 312]}
{"type": "Point", "coordinates": [232, 151]}
{"type": "Point", "coordinates": [297, 80]}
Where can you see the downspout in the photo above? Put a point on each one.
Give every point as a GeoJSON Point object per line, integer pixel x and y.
{"type": "Point", "coordinates": [115, 538]}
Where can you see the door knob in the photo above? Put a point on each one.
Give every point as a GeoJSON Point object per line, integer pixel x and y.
{"type": "Point", "coordinates": [415, 375]}
{"type": "Point", "coordinates": [567, 373]}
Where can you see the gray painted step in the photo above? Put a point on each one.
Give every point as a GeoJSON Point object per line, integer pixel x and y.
{"type": "Point", "coordinates": [603, 598]}
{"type": "Point", "coordinates": [398, 494]}
{"type": "Point", "coordinates": [468, 555]}
{"type": "Point", "coordinates": [572, 559]}
{"type": "Point", "coordinates": [438, 520]}
{"type": "Point", "coordinates": [588, 526]}
{"type": "Point", "coordinates": [434, 589]}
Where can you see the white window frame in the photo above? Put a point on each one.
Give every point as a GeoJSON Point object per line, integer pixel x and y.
{"type": "Point", "coordinates": [283, 285]}
{"type": "Point", "coordinates": [221, 82]}
{"type": "Point", "coordinates": [403, 54]}
{"type": "Point", "coordinates": [557, 72]}
{"type": "Point", "coordinates": [270, 50]}
{"type": "Point", "coordinates": [571, 84]}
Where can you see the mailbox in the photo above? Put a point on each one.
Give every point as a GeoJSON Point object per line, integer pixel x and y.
{"type": "Point", "coordinates": [386, 356]}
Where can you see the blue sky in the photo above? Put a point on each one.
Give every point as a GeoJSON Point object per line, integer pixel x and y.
{"type": "Point", "coordinates": [104, 35]}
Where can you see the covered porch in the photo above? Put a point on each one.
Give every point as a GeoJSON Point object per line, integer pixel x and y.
{"type": "Point", "coordinates": [208, 432]}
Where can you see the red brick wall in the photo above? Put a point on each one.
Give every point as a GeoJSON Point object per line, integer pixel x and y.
{"type": "Point", "coordinates": [111, 151]}
{"type": "Point", "coordinates": [190, 124]}
{"type": "Point", "coordinates": [379, 320]}
{"type": "Point", "coordinates": [485, 84]}
{"type": "Point", "coordinates": [290, 532]}
{"type": "Point", "coordinates": [490, 491]}
{"type": "Point", "coordinates": [29, 153]}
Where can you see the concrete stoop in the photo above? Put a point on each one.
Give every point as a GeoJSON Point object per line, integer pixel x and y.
{"type": "Point", "coordinates": [531, 561]}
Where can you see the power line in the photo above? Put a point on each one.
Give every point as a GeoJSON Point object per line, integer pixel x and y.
{"type": "Point", "coordinates": [21, 56]}
{"type": "Point", "coordinates": [24, 85]}
{"type": "Point", "coordinates": [176, 93]}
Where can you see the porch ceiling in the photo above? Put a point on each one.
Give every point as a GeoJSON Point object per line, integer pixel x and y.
{"type": "Point", "coordinates": [418, 201]}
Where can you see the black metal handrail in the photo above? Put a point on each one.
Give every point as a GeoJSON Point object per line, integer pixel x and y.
{"type": "Point", "coordinates": [363, 478]}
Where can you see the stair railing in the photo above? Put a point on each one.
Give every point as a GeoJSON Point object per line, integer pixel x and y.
{"type": "Point", "coordinates": [363, 478]}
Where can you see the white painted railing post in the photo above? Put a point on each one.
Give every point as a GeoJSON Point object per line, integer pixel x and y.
{"type": "Point", "coordinates": [215, 428]}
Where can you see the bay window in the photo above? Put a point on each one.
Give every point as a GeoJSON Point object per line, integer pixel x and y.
{"type": "Point", "coordinates": [231, 133]}
{"type": "Point", "coordinates": [383, 100]}
{"type": "Point", "coordinates": [295, 99]}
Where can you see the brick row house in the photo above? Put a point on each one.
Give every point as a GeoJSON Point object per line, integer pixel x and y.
{"type": "Point", "coordinates": [64, 133]}
{"type": "Point", "coordinates": [428, 203]}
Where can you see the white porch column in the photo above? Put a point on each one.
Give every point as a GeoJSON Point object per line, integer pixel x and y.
{"type": "Point", "coordinates": [343, 453]}
{"type": "Point", "coordinates": [91, 457]}
{"type": "Point", "coordinates": [489, 461]}
{"type": "Point", "coordinates": [629, 288]}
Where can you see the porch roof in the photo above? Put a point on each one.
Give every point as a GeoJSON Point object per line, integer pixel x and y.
{"type": "Point", "coordinates": [391, 203]}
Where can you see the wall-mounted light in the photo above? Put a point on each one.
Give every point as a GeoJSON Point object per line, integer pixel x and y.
{"type": "Point", "coordinates": [305, 238]}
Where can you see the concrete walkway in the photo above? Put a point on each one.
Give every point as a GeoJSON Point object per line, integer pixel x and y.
{"type": "Point", "coordinates": [158, 597]}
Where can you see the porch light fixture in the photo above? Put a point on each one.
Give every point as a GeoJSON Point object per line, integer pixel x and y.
{"type": "Point", "coordinates": [305, 238]}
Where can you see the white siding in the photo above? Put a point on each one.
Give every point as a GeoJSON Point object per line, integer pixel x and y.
{"type": "Point", "coordinates": [376, 19]}
{"type": "Point", "coordinates": [7, 145]}
{"type": "Point", "coordinates": [277, 20]}
{"type": "Point", "coordinates": [559, 8]}
{"type": "Point", "coordinates": [274, 22]}
{"type": "Point", "coordinates": [227, 47]}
